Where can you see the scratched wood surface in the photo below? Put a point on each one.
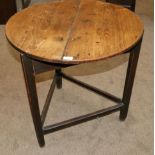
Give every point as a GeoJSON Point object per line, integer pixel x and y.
{"type": "Point", "coordinates": [74, 31]}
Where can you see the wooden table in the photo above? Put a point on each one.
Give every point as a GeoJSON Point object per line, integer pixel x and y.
{"type": "Point", "coordinates": [71, 32]}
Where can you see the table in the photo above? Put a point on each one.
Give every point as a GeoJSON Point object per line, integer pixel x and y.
{"type": "Point", "coordinates": [70, 32]}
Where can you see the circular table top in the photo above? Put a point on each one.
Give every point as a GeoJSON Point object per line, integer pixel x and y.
{"type": "Point", "coordinates": [74, 31]}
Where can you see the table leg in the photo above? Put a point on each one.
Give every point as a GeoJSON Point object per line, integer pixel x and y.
{"type": "Point", "coordinates": [58, 78]}
{"type": "Point", "coordinates": [132, 65]}
{"type": "Point", "coordinates": [127, 4]}
{"type": "Point", "coordinates": [32, 96]}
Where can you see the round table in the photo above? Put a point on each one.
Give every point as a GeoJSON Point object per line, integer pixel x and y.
{"type": "Point", "coordinates": [71, 32]}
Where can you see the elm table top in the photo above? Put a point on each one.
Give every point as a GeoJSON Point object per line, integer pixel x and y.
{"type": "Point", "coordinates": [74, 31]}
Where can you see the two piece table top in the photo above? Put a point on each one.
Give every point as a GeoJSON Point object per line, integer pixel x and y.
{"type": "Point", "coordinates": [74, 31]}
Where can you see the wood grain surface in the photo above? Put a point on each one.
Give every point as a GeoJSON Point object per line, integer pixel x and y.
{"type": "Point", "coordinates": [74, 31]}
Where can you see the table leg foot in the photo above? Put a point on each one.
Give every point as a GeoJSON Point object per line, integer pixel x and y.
{"type": "Point", "coordinates": [123, 114]}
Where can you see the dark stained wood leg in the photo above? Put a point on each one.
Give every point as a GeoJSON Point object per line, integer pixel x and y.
{"type": "Point", "coordinates": [7, 9]}
{"type": "Point", "coordinates": [58, 78]}
{"type": "Point", "coordinates": [133, 7]}
{"type": "Point", "coordinates": [25, 3]}
{"type": "Point", "coordinates": [127, 4]}
{"type": "Point", "coordinates": [32, 96]}
{"type": "Point", "coordinates": [131, 71]}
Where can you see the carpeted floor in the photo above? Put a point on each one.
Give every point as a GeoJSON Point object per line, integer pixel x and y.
{"type": "Point", "coordinates": [104, 136]}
